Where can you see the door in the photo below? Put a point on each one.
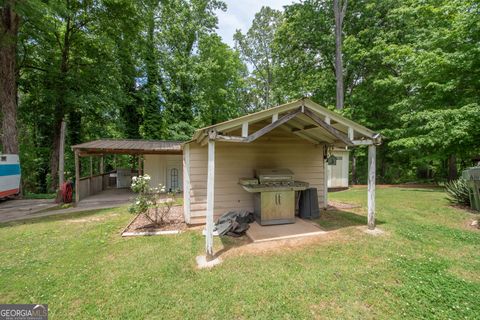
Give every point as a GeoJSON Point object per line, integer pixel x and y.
{"type": "Point", "coordinates": [174, 177]}
{"type": "Point", "coordinates": [277, 207]}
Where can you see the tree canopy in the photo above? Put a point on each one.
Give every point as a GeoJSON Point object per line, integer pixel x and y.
{"type": "Point", "coordinates": [157, 69]}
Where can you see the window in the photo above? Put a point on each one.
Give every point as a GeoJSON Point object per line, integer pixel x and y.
{"type": "Point", "coordinates": [3, 158]}
{"type": "Point", "coordinates": [174, 179]}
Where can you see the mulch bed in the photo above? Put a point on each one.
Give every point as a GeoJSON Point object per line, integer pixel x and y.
{"type": "Point", "coordinates": [175, 222]}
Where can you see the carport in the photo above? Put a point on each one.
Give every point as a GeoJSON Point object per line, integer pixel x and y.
{"type": "Point", "coordinates": [93, 184]}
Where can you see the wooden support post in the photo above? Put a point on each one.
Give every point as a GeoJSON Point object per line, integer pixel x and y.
{"type": "Point", "coordinates": [77, 178]}
{"type": "Point", "coordinates": [274, 117]}
{"type": "Point", "coordinates": [327, 120]}
{"type": "Point", "coordinates": [350, 133]}
{"type": "Point", "coordinates": [245, 129]}
{"type": "Point", "coordinates": [90, 179]}
{"type": "Point", "coordinates": [140, 172]}
{"type": "Point", "coordinates": [371, 186]}
{"type": "Point", "coordinates": [102, 164]}
{"type": "Point", "coordinates": [210, 199]}
{"type": "Point", "coordinates": [325, 182]}
{"type": "Point", "coordinates": [186, 182]}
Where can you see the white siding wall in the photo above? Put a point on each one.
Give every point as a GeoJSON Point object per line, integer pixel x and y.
{"type": "Point", "coordinates": [156, 167]}
{"type": "Point", "coordinates": [338, 174]}
{"type": "Point", "coordinates": [278, 149]}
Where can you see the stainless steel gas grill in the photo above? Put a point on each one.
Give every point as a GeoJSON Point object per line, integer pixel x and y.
{"type": "Point", "coordinates": [274, 190]}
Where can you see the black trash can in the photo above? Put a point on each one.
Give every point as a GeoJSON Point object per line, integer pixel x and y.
{"type": "Point", "coordinates": [308, 204]}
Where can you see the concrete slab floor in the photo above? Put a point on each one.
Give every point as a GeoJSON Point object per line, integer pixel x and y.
{"type": "Point", "coordinates": [301, 228]}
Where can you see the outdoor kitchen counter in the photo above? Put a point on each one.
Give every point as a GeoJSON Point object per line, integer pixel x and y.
{"type": "Point", "coordinates": [297, 186]}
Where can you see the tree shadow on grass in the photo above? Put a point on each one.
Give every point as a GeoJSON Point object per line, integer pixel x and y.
{"type": "Point", "coordinates": [337, 219]}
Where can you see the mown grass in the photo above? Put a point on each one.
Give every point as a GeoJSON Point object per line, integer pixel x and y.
{"type": "Point", "coordinates": [424, 266]}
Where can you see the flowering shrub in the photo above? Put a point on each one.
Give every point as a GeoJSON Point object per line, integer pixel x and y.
{"type": "Point", "coordinates": [148, 202]}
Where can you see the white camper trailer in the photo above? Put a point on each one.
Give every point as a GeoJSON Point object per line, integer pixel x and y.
{"type": "Point", "coordinates": [9, 175]}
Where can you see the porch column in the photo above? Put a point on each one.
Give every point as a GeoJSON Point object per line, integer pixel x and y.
{"type": "Point", "coordinates": [77, 178]}
{"type": "Point", "coordinates": [186, 182]}
{"type": "Point", "coordinates": [371, 186]}
{"type": "Point", "coordinates": [210, 199]}
{"type": "Point", "coordinates": [325, 184]}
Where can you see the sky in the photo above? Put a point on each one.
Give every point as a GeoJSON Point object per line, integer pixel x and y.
{"type": "Point", "coordinates": [240, 13]}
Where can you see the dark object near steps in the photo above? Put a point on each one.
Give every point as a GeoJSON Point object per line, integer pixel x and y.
{"type": "Point", "coordinates": [308, 206]}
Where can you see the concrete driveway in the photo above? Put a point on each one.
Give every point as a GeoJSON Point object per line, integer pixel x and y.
{"type": "Point", "coordinates": [23, 209]}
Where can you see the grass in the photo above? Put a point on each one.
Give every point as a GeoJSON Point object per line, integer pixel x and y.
{"type": "Point", "coordinates": [424, 266]}
{"type": "Point", "coordinates": [30, 195]}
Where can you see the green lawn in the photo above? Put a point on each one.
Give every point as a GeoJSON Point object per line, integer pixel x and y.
{"type": "Point", "coordinates": [425, 266]}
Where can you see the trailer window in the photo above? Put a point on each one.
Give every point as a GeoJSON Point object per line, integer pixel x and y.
{"type": "Point", "coordinates": [3, 158]}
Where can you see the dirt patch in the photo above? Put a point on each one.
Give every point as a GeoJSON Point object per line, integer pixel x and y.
{"type": "Point", "coordinates": [92, 218]}
{"type": "Point", "coordinates": [244, 246]}
{"type": "Point", "coordinates": [336, 205]}
{"type": "Point", "coordinates": [174, 221]}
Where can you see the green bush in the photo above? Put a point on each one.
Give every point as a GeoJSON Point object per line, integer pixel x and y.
{"type": "Point", "coordinates": [458, 192]}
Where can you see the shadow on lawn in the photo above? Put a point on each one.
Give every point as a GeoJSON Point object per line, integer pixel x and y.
{"type": "Point", "coordinates": [53, 217]}
{"type": "Point", "coordinates": [337, 219]}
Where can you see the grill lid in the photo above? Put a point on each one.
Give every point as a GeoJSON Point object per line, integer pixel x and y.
{"type": "Point", "coordinates": [273, 175]}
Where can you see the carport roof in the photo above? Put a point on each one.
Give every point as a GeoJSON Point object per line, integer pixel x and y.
{"type": "Point", "coordinates": [129, 146]}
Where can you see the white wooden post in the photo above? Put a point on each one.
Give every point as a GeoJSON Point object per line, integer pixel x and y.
{"type": "Point", "coordinates": [186, 182]}
{"type": "Point", "coordinates": [350, 133]}
{"type": "Point", "coordinates": [245, 129]}
{"type": "Point", "coordinates": [371, 186]}
{"type": "Point", "coordinates": [327, 120]}
{"type": "Point", "coordinates": [210, 199]}
{"type": "Point", "coordinates": [274, 117]}
{"type": "Point", "coordinates": [325, 181]}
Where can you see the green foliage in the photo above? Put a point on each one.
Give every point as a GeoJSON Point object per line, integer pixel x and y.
{"type": "Point", "coordinates": [458, 192]}
{"type": "Point", "coordinates": [433, 274]}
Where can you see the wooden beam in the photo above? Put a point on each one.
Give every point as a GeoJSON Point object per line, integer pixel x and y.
{"type": "Point", "coordinates": [245, 129]}
{"type": "Point", "coordinates": [220, 137]}
{"type": "Point", "coordinates": [334, 132]}
{"type": "Point", "coordinates": [210, 200]}
{"type": "Point", "coordinates": [327, 120]}
{"type": "Point", "coordinates": [371, 186]}
{"type": "Point", "coordinates": [186, 183]}
{"type": "Point", "coordinates": [77, 178]}
{"type": "Point", "coordinates": [285, 118]}
{"type": "Point", "coordinates": [362, 142]}
{"type": "Point", "coordinates": [309, 127]}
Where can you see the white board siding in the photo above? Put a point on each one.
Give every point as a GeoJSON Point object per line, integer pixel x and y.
{"type": "Point", "coordinates": [338, 174]}
{"type": "Point", "coordinates": [156, 167]}
{"type": "Point", "coordinates": [236, 160]}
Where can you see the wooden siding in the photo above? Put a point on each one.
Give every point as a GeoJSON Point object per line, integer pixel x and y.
{"type": "Point", "coordinates": [278, 148]}
{"type": "Point", "coordinates": [156, 167]}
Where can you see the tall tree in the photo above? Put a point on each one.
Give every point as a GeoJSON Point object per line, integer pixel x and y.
{"type": "Point", "coordinates": [339, 8]}
{"type": "Point", "coordinates": [9, 25]}
{"type": "Point", "coordinates": [256, 48]}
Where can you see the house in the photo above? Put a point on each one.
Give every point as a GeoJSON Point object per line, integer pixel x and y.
{"type": "Point", "coordinates": [298, 135]}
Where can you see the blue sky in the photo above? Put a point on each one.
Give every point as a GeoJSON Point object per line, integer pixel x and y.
{"type": "Point", "coordinates": [240, 13]}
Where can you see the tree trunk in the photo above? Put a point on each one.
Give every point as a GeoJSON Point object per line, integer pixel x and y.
{"type": "Point", "coordinates": [339, 8]}
{"type": "Point", "coordinates": [8, 79]}
{"type": "Point", "coordinates": [60, 106]}
{"type": "Point", "coordinates": [452, 167]}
